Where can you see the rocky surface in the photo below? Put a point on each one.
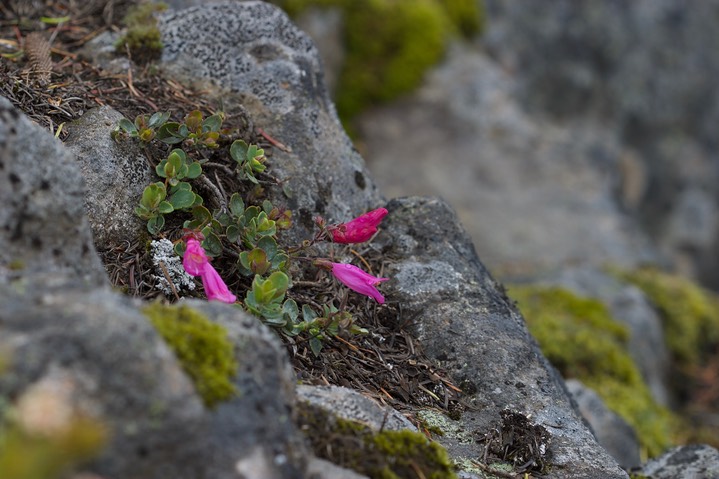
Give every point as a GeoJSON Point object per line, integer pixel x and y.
{"type": "Point", "coordinates": [684, 462]}
{"type": "Point", "coordinates": [464, 320]}
{"type": "Point", "coordinates": [42, 222]}
{"type": "Point", "coordinates": [115, 174]}
{"type": "Point", "coordinates": [274, 70]}
{"type": "Point", "coordinates": [629, 306]}
{"type": "Point", "coordinates": [532, 194]}
{"type": "Point", "coordinates": [97, 345]}
{"type": "Point", "coordinates": [611, 431]}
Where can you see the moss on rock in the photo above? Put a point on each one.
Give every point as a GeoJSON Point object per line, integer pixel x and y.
{"type": "Point", "coordinates": [689, 313]}
{"type": "Point", "coordinates": [202, 347]}
{"type": "Point", "coordinates": [583, 341]}
{"type": "Point", "coordinates": [142, 37]}
{"type": "Point", "coordinates": [379, 455]}
{"type": "Point", "coordinates": [391, 43]}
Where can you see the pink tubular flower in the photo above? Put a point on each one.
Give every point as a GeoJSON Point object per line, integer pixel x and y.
{"type": "Point", "coordinates": [196, 263]}
{"type": "Point", "coordinates": [357, 280]}
{"type": "Point", "coordinates": [359, 229]}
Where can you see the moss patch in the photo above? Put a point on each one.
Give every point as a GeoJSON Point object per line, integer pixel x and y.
{"type": "Point", "coordinates": [689, 313]}
{"type": "Point", "coordinates": [391, 43]}
{"type": "Point", "coordinates": [142, 37]}
{"type": "Point", "coordinates": [203, 348]}
{"type": "Point", "coordinates": [583, 341]}
{"type": "Point", "coordinates": [380, 455]}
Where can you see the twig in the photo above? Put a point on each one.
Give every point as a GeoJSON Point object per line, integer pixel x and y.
{"type": "Point", "coordinates": [169, 279]}
{"type": "Point", "coordinates": [274, 142]}
{"type": "Point", "coordinates": [215, 191]}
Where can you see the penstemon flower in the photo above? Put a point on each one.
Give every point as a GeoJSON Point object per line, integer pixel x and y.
{"type": "Point", "coordinates": [357, 280]}
{"type": "Point", "coordinates": [196, 263]}
{"type": "Point", "coordinates": [359, 229]}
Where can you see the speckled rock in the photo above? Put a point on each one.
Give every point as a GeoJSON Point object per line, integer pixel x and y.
{"type": "Point", "coordinates": [351, 405]}
{"type": "Point", "coordinates": [43, 229]}
{"type": "Point", "coordinates": [257, 58]}
{"type": "Point", "coordinates": [684, 462]}
{"type": "Point", "coordinates": [115, 175]}
{"type": "Point", "coordinates": [611, 431]}
{"type": "Point", "coordinates": [99, 347]}
{"type": "Point", "coordinates": [465, 321]}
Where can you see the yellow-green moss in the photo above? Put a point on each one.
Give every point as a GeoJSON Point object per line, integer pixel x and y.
{"type": "Point", "coordinates": [583, 341]}
{"type": "Point", "coordinates": [391, 43]}
{"type": "Point", "coordinates": [379, 455]}
{"type": "Point", "coordinates": [690, 314]}
{"type": "Point", "coordinates": [142, 37]}
{"type": "Point", "coordinates": [33, 456]}
{"type": "Point", "coordinates": [203, 348]}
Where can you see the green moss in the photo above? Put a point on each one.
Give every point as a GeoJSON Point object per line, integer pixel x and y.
{"type": "Point", "coordinates": [142, 37]}
{"type": "Point", "coordinates": [203, 348]}
{"type": "Point", "coordinates": [390, 44]}
{"type": "Point", "coordinates": [583, 341]}
{"type": "Point", "coordinates": [690, 314]}
{"type": "Point", "coordinates": [24, 455]}
{"type": "Point", "coordinates": [381, 455]}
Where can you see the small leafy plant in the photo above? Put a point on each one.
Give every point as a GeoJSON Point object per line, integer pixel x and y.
{"type": "Point", "coordinates": [241, 228]}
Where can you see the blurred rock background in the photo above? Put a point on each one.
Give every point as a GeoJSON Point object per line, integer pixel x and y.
{"type": "Point", "coordinates": [577, 142]}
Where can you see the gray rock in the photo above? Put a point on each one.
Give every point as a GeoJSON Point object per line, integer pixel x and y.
{"type": "Point", "coordinates": [115, 175]}
{"type": "Point", "coordinates": [321, 469]}
{"type": "Point", "coordinates": [43, 229]}
{"type": "Point", "coordinates": [351, 405]}
{"type": "Point", "coordinates": [531, 194]}
{"type": "Point", "coordinates": [611, 431]}
{"type": "Point", "coordinates": [644, 69]}
{"type": "Point", "coordinates": [120, 372]}
{"type": "Point", "coordinates": [258, 58]}
{"type": "Point", "coordinates": [469, 326]}
{"type": "Point", "coordinates": [684, 462]}
{"type": "Point", "coordinates": [628, 305]}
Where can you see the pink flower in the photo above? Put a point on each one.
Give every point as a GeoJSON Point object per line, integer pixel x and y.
{"type": "Point", "coordinates": [196, 263]}
{"type": "Point", "coordinates": [357, 280]}
{"type": "Point", "coordinates": [359, 229]}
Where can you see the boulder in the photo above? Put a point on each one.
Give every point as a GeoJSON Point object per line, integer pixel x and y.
{"type": "Point", "coordinates": [43, 229]}
{"type": "Point", "coordinates": [684, 462]}
{"type": "Point", "coordinates": [611, 431]}
{"type": "Point", "coordinates": [257, 57]}
{"type": "Point", "coordinates": [465, 321]}
{"type": "Point", "coordinates": [115, 175]}
{"type": "Point", "coordinates": [532, 194]}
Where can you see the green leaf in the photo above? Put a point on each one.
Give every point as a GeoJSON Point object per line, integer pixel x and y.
{"type": "Point", "coordinates": [165, 207]}
{"type": "Point", "coordinates": [232, 233]}
{"type": "Point", "coordinates": [290, 310]}
{"type": "Point", "coordinates": [180, 248]}
{"type": "Point", "coordinates": [212, 245]}
{"type": "Point", "coordinates": [128, 126]}
{"type": "Point", "coordinates": [154, 225]}
{"type": "Point", "coordinates": [169, 133]}
{"type": "Point", "coordinates": [194, 170]}
{"type": "Point", "coordinates": [262, 290]}
{"type": "Point", "coordinates": [143, 212]}
{"type": "Point", "coordinates": [152, 195]}
{"type": "Point", "coordinates": [308, 314]}
{"type": "Point", "coordinates": [201, 214]}
{"type": "Point", "coordinates": [237, 206]}
{"type": "Point", "coordinates": [158, 119]}
{"type": "Point", "coordinates": [269, 245]}
{"type": "Point", "coordinates": [182, 199]}
{"type": "Point", "coordinates": [238, 151]}
{"type": "Point", "coordinates": [193, 120]}
{"type": "Point", "coordinates": [54, 20]}
{"type": "Point", "coordinates": [181, 185]}
{"type": "Point", "coordinates": [257, 260]}
{"type": "Point", "coordinates": [212, 123]}
{"type": "Point", "coordinates": [199, 201]}
{"type": "Point", "coordinates": [316, 346]}
{"type": "Point", "coordinates": [280, 282]}
{"type": "Point", "coordinates": [160, 169]}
